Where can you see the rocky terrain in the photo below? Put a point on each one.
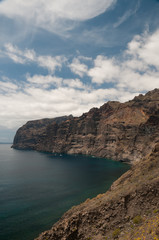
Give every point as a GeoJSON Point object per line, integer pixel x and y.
{"type": "Point", "coordinates": [120, 131]}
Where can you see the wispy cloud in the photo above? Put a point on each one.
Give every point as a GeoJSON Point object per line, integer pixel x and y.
{"type": "Point", "coordinates": [29, 56]}
{"type": "Point", "coordinates": [54, 15]}
{"type": "Point", "coordinates": [127, 14]}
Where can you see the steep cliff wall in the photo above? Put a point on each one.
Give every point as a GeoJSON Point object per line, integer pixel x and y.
{"type": "Point", "coordinates": [34, 132]}
{"type": "Point", "coordinates": [120, 131]}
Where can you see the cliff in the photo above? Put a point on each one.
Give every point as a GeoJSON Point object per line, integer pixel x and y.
{"type": "Point", "coordinates": [34, 132]}
{"type": "Point", "coordinates": [129, 210]}
{"type": "Point", "coordinates": [120, 131]}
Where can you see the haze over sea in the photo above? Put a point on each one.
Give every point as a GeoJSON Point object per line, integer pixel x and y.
{"type": "Point", "coordinates": [37, 188]}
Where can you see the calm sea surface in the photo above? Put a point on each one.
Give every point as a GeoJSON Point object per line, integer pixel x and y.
{"type": "Point", "coordinates": [37, 188]}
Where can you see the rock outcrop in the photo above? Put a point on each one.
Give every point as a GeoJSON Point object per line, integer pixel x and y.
{"type": "Point", "coordinates": [120, 131]}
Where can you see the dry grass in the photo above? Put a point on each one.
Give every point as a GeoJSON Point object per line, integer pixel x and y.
{"type": "Point", "coordinates": [148, 230]}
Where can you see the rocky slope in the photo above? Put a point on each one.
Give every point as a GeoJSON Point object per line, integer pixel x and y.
{"type": "Point", "coordinates": [129, 210]}
{"type": "Point", "coordinates": [120, 131]}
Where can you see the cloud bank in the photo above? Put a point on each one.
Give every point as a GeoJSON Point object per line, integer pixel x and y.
{"type": "Point", "coordinates": [40, 96]}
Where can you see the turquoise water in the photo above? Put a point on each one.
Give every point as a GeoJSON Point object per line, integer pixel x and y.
{"type": "Point", "coordinates": [37, 188]}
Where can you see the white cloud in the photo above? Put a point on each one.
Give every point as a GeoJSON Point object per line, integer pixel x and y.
{"type": "Point", "coordinates": [15, 54]}
{"type": "Point", "coordinates": [74, 83]}
{"type": "Point", "coordinates": [49, 81]}
{"type": "Point", "coordinates": [78, 68]}
{"type": "Point", "coordinates": [105, 70]}
{"type": "Point", "coordinates": [16, 58]}
{"type": "Point", "coordinates": [134, 81]}
{"type": "Point", "coordinates": [29, 55]}
{"type": "Point", "coordinates": [48, 14]}
{"type": "Point", "coordinates": [51, 63]}
{"type": "Point", "coordinates": [19, 56]}
{"type": "Point", "coordinates": [7, 86]}
{"type": "Point", "coordinates": [44, 81]}
{"type": "Point", "coordinates": [136, 70]}
{"type": "Point", "coordinates": [145, 48]}
{"type": "Point", "coordinates": [84, 58]}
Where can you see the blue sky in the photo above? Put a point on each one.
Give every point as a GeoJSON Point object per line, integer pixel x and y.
{"type": "Point", "coordinates": [64, 57]}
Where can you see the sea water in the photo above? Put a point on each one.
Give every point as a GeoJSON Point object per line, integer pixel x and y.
{"type": "Point", "coordinates": [37, 188]}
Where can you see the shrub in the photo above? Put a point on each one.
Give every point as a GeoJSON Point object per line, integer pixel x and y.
{"type": "Point", "coordinates": [137, 219]}
{"type": "Point", "coordinates": [116, 233]}
{"type": "Point", "coordinates": [156, 211]}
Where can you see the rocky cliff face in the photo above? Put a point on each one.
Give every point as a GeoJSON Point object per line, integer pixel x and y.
{"type": "Point", "coordinates": [120, 131]}
{"type": "Point", "coordinates": [34, 132]}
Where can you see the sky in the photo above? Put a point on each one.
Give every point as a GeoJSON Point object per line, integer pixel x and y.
{"type": "Point", "coordinates": [62, 57]}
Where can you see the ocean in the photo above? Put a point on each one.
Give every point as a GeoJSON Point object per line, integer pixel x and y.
{"type": "Point", "coordinates": [37, 188]}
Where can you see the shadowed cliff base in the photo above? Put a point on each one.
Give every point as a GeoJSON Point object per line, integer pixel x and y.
{"type": "Point", "coordinates": [120, 131]}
